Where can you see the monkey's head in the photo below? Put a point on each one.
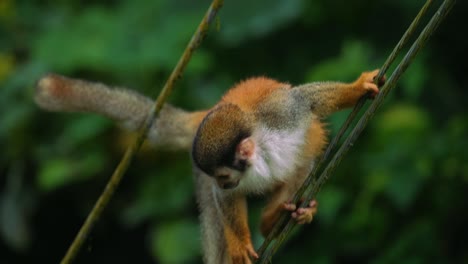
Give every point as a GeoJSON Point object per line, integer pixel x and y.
{"type": "Point", "coordinates": [223, 147]}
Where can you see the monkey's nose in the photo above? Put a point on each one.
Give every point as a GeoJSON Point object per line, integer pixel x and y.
{"type": "Point", "coordinates": [230, 185]}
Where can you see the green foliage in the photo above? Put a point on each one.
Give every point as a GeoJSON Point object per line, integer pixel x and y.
{"type": "Point", "coordinates": [157, 197]}
{"type": "Point", "coordinates": [260, 18]}
{"type": "Point", "coordinates": [398, 197]}
{"type": "Point", "coordinates": [59, 171]}
{"type": "Point", "coordinates": [176, 242]}
{"type": "Point", "coordinates": [353, 55]}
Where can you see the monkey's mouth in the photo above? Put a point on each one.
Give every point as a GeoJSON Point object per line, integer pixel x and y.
{"type": "Point", "coordinates": [230, 185]}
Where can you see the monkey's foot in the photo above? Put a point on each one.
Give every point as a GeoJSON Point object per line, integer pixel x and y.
{"type": "Point", "coordinates": [302, 215]}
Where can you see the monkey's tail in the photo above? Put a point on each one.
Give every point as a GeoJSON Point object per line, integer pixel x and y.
{"type": "Point", "coordinates": [173, 130]}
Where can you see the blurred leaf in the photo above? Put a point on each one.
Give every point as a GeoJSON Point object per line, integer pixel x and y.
{"type": "Point", "coordinates": [364, 219]}
{"type": "Point", "coordinates": [176, 242]}
{"type": "Point", "coordinates": [139, 36]}
{"type": "Point", "coordinates": [60, 171]}
{"type": "Point", "coordinates": [403, 124]}
{"type": "Point", "coordinates": [83, 129]}
{"type": "Point", "coordinates": [10, 120]}
{"type": "Point", "coordinates": [84, 42]}
{"type": "Point", "coordinates": [354, 57]}
{"type": "Point", "coordinates": [414, 79]}
{"type": "Point", "coordinates": [156, 195]}
{"type": "Point", "coordinates": [15, 210]}
{"type": "Point", "coordinates": [245, 19]}
{"type": "Point", "coordinates": [331, 200]}
{"type": "Point", "coordinates": [314, 12]}
{"type": "Point", "coordinates": [376, 181]}
{"type": "Point", "coordinates": [399, 135]}
{"type": "Point", "coordinates": [411, 245]}
{"type": "Point", "coordinates": [54, 174]}
{"type": "Point", "coordinates": [404, 187]}
{"type": "Point", "coordinates": [7, 9]}
{"type": "Point", "coordinates": [6, 64]}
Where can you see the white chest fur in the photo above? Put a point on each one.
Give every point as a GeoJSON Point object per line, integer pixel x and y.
{"type": "Point", "coordinates": [276, 157]}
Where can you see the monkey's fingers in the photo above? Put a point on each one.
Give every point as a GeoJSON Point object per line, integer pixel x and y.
{"type": "Point", "coordinates": [252, 252]}
{"type": "Point", "coordinates": [240, 257]}
{"type": "Point", "coordinates": [289, 206]}
{"type": "Point", "coordinates": [368, 84]}
{"type": "Point", "coordinates": [246, 260]}
{"type": "Point", "coordinates": [372, 88]}
{"type": "Point", "coordinates": [381, 81]}
{"type": "Point", "coordinates": [305, 215]}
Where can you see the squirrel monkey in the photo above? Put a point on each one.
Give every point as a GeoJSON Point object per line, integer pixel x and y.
{"type": "Point", "coordinates": [261, 138]}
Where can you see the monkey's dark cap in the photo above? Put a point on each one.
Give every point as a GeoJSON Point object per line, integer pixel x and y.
{"type": "Point", "coordinates": [218, 136]}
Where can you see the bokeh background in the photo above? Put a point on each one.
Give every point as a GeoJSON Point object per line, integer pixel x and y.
{"type": "Point", "coordinates": [400, 195]}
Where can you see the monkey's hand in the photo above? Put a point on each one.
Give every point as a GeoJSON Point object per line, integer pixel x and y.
{"type": "Point", "coordinates": [366, 82]}
{"type": "Point", "coordinates": [302, 215]}
{"type": "Point", "coordinates": [242, 253]}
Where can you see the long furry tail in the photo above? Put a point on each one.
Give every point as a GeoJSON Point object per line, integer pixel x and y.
{"type": "Point", "coordinates": [173, 130]}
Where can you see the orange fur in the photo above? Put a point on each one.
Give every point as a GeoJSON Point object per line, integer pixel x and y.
{"type": "Point", "coordinates": [237, 232]}
{"type": "Point", "coordinates": [195, 119]}
{"type": "Point", "coordinates": [349, 96]}
{"type": "Point", "coordinates": [249, 93]}
{"type": "Point", "coordinates": [316, 140]}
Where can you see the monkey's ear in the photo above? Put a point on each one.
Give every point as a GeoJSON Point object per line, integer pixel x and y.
{"type": "Point", "coordinates": [245, 149]}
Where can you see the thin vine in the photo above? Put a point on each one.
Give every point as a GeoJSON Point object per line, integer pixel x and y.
{"type": "Point", "coordinates": [311, 186]}
{"type": "Point", "coordinates": [112, 184]}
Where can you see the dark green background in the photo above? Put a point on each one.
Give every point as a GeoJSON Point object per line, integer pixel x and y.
{"type": "Point", "coordinates": [400, 195]}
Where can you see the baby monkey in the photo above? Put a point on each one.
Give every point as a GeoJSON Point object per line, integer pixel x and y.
{"type": "Point", "coordinates": [261, 139]}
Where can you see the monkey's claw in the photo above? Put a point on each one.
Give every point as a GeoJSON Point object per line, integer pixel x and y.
{"type": "Point", "coordinates": [302, 215]}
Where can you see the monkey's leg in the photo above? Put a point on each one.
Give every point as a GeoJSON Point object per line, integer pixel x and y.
{"type": "Point", "coordinates": [272, 212]}
{"type": "Point", "coordinates": [233, 212]}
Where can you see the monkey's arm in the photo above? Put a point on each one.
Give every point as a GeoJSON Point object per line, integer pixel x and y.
{"type": "Point", "coordinates": [236, 229]}
{"type": "Point", "coordinates": [325, 98]}
{"type": "Point", "coordinates": [174, 129]}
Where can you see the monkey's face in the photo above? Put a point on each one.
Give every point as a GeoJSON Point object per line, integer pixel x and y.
{"type": "Point", "coordinates": [227, 178]}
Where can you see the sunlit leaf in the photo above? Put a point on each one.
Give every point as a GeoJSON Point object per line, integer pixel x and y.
{"type": "Point", "coordinates": [6, 64]}
{"type": "Point", "coordinates": [403, 123]}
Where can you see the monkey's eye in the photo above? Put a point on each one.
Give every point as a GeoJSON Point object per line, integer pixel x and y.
{"type": "Point", "coordinates": [240, 165]}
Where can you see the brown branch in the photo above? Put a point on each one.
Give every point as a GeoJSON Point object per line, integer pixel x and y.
{"type": "Point", "coordinates": [122, 167]}
{"type": "Point", "coordinates": [282, 229]}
